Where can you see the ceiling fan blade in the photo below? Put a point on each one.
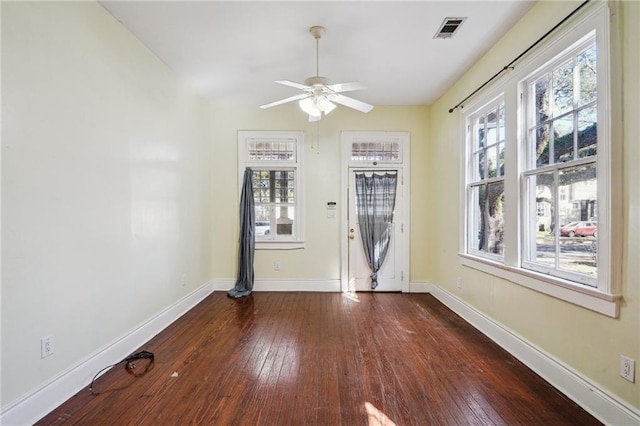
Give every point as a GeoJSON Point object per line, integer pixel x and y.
{"type": "Point", "coordinates": [294, 84]}
{"type": "Point", "coordinates": [350, 102]}
{"type": "Point", "coordinates": [284, 101]}
{"type": "Point", "coordinates": [346, 87]}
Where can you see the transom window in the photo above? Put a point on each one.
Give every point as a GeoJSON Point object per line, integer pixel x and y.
{"type": "Point", "coordinates": [387, 151]}
{"type": "Point", "coordinates": [276, 161]}
{"type": "Point", "coordinates": [271, 150]}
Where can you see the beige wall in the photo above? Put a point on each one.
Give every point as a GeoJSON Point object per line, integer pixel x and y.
{"type": "Point", "coordinates": [587, 342]}
{"type": "Point", "coordinates": [320, 260]}
{"type": "Point", "coordinates": [105, 187]}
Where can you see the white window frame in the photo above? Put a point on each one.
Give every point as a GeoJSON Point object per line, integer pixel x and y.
{"type": "Point", "coordinates": [470, 182]}
{"type": "Point", "coordinates": [529, 168]}
{"type": "Point", "coordinates": [273, 242]}
{"type": "Point", "coordinates": [604, 296]}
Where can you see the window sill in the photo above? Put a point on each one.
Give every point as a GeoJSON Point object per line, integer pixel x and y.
{"type": "Point", "coordinates": [279, 245]}
{"type": "Point", "coordinates": [590, 298]}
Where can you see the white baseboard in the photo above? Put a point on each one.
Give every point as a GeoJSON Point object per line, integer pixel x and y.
{"type": "Point", "coordinates": [283, 285]}
{"type": "Point", "coordinates": [52, 394]}
{"type": "Point", "coordinates": [419, 287]}
{"type": "Point", "coordinates": [589, 396]}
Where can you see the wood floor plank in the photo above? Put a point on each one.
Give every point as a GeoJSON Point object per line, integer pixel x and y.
{"type": "Point", "coordinates": [316, 359]}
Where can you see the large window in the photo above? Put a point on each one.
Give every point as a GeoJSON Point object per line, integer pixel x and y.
{"type": "Point", "coordinates": [485, 189]}
{"type": "Point", "coordinates": [560, 172]}
{"type": "Point", "coordinates": [537, 170]}
{"type": "Point", "coordinates": [276, 159]}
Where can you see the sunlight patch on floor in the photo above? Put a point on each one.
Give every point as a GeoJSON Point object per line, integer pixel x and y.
{"type": "Point", "coordinates": [376, 417]}
{"type": "Point", "coordinates": [351, 295]}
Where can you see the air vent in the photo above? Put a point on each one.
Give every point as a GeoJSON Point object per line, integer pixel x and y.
{"type": "Point", "coordinates": [449, 27]}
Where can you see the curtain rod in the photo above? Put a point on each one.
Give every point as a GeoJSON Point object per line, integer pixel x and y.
{"type": "Point", "coordinates": [510, 64]}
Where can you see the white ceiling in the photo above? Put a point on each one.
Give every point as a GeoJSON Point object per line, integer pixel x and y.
{"type": "Point", "coordinates": [232, 52]}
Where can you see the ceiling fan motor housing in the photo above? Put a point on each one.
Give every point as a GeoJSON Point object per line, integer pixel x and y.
{"type": "Point", "coordinates": [317, 81]}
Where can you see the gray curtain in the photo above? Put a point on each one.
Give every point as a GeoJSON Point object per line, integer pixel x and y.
{"type": "Point", "coordinates": [247, 242]}
{"type": "Point", "coordinates": [375, 202]}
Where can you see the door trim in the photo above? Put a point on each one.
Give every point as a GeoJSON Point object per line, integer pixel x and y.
{"type": "Point", "coordinates": [347, 165]}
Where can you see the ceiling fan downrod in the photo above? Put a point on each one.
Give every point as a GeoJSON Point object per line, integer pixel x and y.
{"type": "Point", "coordinates": [317, 31]}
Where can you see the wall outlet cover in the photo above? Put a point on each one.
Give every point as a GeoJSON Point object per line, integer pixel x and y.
{"type": "Point", "coordinates": [627, 368]}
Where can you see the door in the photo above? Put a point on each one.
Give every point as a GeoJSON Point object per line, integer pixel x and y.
{"type": "Point", "coordinates": [390, 273]}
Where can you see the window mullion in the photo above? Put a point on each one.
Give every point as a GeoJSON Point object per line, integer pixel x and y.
{"type": "Point", "coordinates": [556, 217]}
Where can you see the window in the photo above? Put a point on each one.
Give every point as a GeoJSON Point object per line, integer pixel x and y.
{"type": "Point", "coordinates": [560, 172]}
{"type": "Point", "coordinates": [485, 189]}
{"type": "Point", "coordinates": [382, 150]}
{"type": "Point", "coordinates": [537, 170]}
{"type": "Point", "coordinates": [276, 159]}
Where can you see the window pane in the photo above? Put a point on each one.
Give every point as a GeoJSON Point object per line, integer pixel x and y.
{"type": "Point", "coordinates": [501, 159]}
{"type": "Point", "coordinates": [578, 218]}
{"type": "Point", "coordinates": [375, 151]}
{"type": "Point", "coordinates": [587, 132]}
{"type": "Point", "coordinates": [271, 150]}
{"type": "Point", "coordinates": [478, 202]}
{"type": "Point", "coordinates": [492, 161]}
{"type": "Point", "coordinates": [487, 218]}
{"type": "Point", "coordinates": [541, 138]}
{"type": "Point", "coordinates": [587, 72]}
{"type": "Point", "coordinates": [492, 128]}
{"type": "Point", "coordinates": [480, 166]}
{"type": "Point", "coordinates": [262, 213]}
{"type": "Point", "coordinates": [541, 96]}
{"type": "Point", "coordinates": [563, 89]}
{"type": "Point", "coordinates": [495, 217]}
{"type": "Point", "coordinates": [261, 186]}
{"type": "Point", "coordinates": [481, 133]}
{"type": "Point", "coordinates": [563, 139]}
{"type": "Point", "coordinates": [284, 220]}
{"type": "Point", "coordinates": [541, 208]}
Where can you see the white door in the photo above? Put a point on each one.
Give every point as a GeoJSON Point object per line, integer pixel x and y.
{"type": "Point", "coordinates": [390, 274]}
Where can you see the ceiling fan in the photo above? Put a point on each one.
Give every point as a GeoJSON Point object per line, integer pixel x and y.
{"type": "Point", "coordinates": [319, 95]}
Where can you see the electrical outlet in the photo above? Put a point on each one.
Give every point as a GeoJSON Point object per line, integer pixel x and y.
{"type": "Point", "coordinates": [627, 368]}
{"type": "Point", "coordinates": [46, 346]}
{"type": "Point", "coordinates": [459, 283]}
{"type": "Point", "coordinates": [276, 265]}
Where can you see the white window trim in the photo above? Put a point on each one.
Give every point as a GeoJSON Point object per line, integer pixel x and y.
{"type": "Point", "coordinates": [604, 299]}
{"type": "Point", "coordinates": [243, 136]}
{"type": "Point", "coordinates": [469, 165]}
{"type": "Point", "coordinates": [602, 282]}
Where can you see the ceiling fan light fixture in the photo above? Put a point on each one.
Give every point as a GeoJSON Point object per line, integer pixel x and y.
{"type": "Point", "coordinates": [316, 106]}
{"type": "Point", "coordinates": [325, 105]}
{"type": "Point", "coordinates": [308, 105]}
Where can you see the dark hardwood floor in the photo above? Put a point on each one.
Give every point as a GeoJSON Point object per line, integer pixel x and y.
{"type": "Point", "coordinates": [317, 359]}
